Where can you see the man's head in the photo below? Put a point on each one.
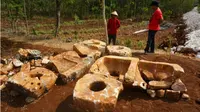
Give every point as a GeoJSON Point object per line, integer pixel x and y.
{"type": "Point", "coordinates": [114, 14]}
{"type": "Point", "coordinates": [154, 5]}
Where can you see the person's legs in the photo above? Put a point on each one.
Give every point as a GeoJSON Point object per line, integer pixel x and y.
{"type": "Point", "coordinates": [109, 39]}
{"type": "Point", "coordinates": [114, 39]}
{"type": "Point", "coordinates": [148, 42]}
{"type": "Point", "coordinates": [152, 41]}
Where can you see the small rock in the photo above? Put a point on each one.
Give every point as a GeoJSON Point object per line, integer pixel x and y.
{"type": "Point", "coordinates": [4, 61]}
{"type": "Point", "coordinates": [3, 79]}
{"type": "Point", "coordinates": [32, 62]}
{"type": "Point", "coordinates": [152, 93]}
{"type": "Point", "coordinates": [30, 99]}
{"type": "Point", "coordinates": [2, 87]}
{"type": "Point", "coordinates": [11, 73]}
{"type": "Point", "coordinates": [172, 95]}
{"type": "Point", "coordinates": [147, 75]}
{"type": "Point", "coordinates": [159, 84]}
{"type": "Point", "coordinates": [26, 67]}
{"type": "Point", "coordinates": [185, 96]}
{"type": "Point", "coordinates": [179, 86]}
{"type": "Point", "coordinates": [34, 53]}
{"type": "Point", "coordinates": [38, 63]}
{"type": "Point", "coordinates": [14, 93]}
{"type": "Point", "coordinates": [33, 67]}
{"type": "Point", "coordinates": [160, 93]}
{"type": "Point", "coordinates": [17, 63]}
{"type": "Point", "coordinates": [197, 101]}
{"type": "Point", "coordinates": [45, 60]}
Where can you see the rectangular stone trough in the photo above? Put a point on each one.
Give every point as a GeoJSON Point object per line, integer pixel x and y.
{"type": "Point", "coordinates": [161, 70]}
{"type": "Point", "coordinates": [69, 66]}
{"type": "Point", "coordinates": [124, 69]}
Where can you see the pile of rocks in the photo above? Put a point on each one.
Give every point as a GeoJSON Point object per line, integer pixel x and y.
{"type": "Point", "coordinates": [163, 80]}
{"type": "Point", "coordinates": [32, 74]}
{"type": "Point", "coordinates": [158, 79]}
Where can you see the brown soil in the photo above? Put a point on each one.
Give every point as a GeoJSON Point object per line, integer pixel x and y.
{"type": "Point", "coordinates": [59, 98]}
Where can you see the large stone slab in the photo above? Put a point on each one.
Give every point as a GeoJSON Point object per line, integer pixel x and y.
{"type": "Point", "coordinates": [33, 83]}
{"type": "Point", "coordinates": [87, 47]}
{"type": "Point", "coordinates": [159, 84]}
{"type": "Point", "coordinates": [124, 69]}
{"type": "Point", "coordinates": [69, 66]}
{"type": "Point", "coordinates": [96, 93]}
{"type": "Point", "coordinates": [119, 50]}
{"type": "Point", "coordinates": [162, 71]}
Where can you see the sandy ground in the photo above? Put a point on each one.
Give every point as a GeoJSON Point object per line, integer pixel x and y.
{"type": "Point", "coordinates": [59, 98]}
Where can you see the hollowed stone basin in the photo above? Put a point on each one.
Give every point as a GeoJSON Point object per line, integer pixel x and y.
{"type": "Point", "coordinates": [161, 70]}
{"type": "Point", "coordinates": [92, 46]}
{"type": "Point", "coordinates": [69, 66]}
{"type": "Point", "coordinates": [96, 93]}
{"type": "Point", "coordinates": [119, 51]}
{"type": "Point", "coordinates": [124, 69]}
{"type": "Point", "coordinates": [33, 83]}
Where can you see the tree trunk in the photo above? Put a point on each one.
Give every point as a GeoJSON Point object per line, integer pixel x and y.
{"type": "Point", "coordinates": [105, 23]}
{"type": "Point", "coordinates": [26, 20]}
{"type": "Point", "coordinates": [58, 3]}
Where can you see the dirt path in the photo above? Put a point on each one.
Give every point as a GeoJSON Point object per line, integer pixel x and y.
{"type": "Point", "coordinates": [59, 99]}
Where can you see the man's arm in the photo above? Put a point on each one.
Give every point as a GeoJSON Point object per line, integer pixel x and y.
{"type": "Point", "coordinates": [118, 23]}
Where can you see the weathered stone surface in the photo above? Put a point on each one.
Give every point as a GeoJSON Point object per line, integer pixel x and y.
{"type": "Point", "coordinates": [161, 70]}
{"type": "Point", "coordinates": [17, 63]}
{"type": "Point", "coordinates": [26, 67]}
{"type": "Point", "coordinates": [45, 60]}
{"type": "Point", "coordinates": [38, 63]}
{"type": "Point", "coordinates": [114, 66]}
{"type": "Point", "coordinates": [96, 93]}
{"type": "Point", "coordinates": [179, 86]}
{"type": "Point", "coordinates": [119, 51]}
{"type": "Point", "coordinates": [33, 83]}
{"type": "Point", "coordinates": [160, 76]}
{"type": "Point", "coordinates": [3, 80]}
{"type": "Point", "coordinates": [185, 96]}
{"type": "Point", "coordinates": [146, 75]}
{"type": "Point", "coordinates": [30, 99]}
{"type": "Point", "coordinates": [151, 92]}
{"type": "Point", "coordinates": [159, 84]}
{"type": "Point", "coordinates": [6, 68]}
{"type": "Point", "coordinates": [29, 53]}
{"type": "Point", "coordinates": [68, 66]}
{"type": "Point", "coordinates": [90, 46]}
{"type": "Point", "coordinates": [100, 45]}
{"type": "Point", "coordinates": [160, 93]}
{"type": "Point", "coordinates": [172, 95]}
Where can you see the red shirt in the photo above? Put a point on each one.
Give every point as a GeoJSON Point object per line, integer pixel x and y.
{"type": "Point", "coordinates": [154, 23]}
{"type": "Point", "coordinates": [113, 25]}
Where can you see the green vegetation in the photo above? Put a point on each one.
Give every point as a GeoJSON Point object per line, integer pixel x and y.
{"type": "Point", "coordinates": [128, 43]}
{"type": "Point", "coordinates": [88, 9]}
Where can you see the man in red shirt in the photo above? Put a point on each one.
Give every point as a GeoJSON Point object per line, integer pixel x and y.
{"type": "Point", "coordinates": [154, 26]}
{"type": "Point", "coordinates": [113, 25]}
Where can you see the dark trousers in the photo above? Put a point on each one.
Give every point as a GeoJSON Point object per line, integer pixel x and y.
{"type": "Point", "coordinates": [151, 41]}
{"type": "Point", "coordinates": [112, 38]}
